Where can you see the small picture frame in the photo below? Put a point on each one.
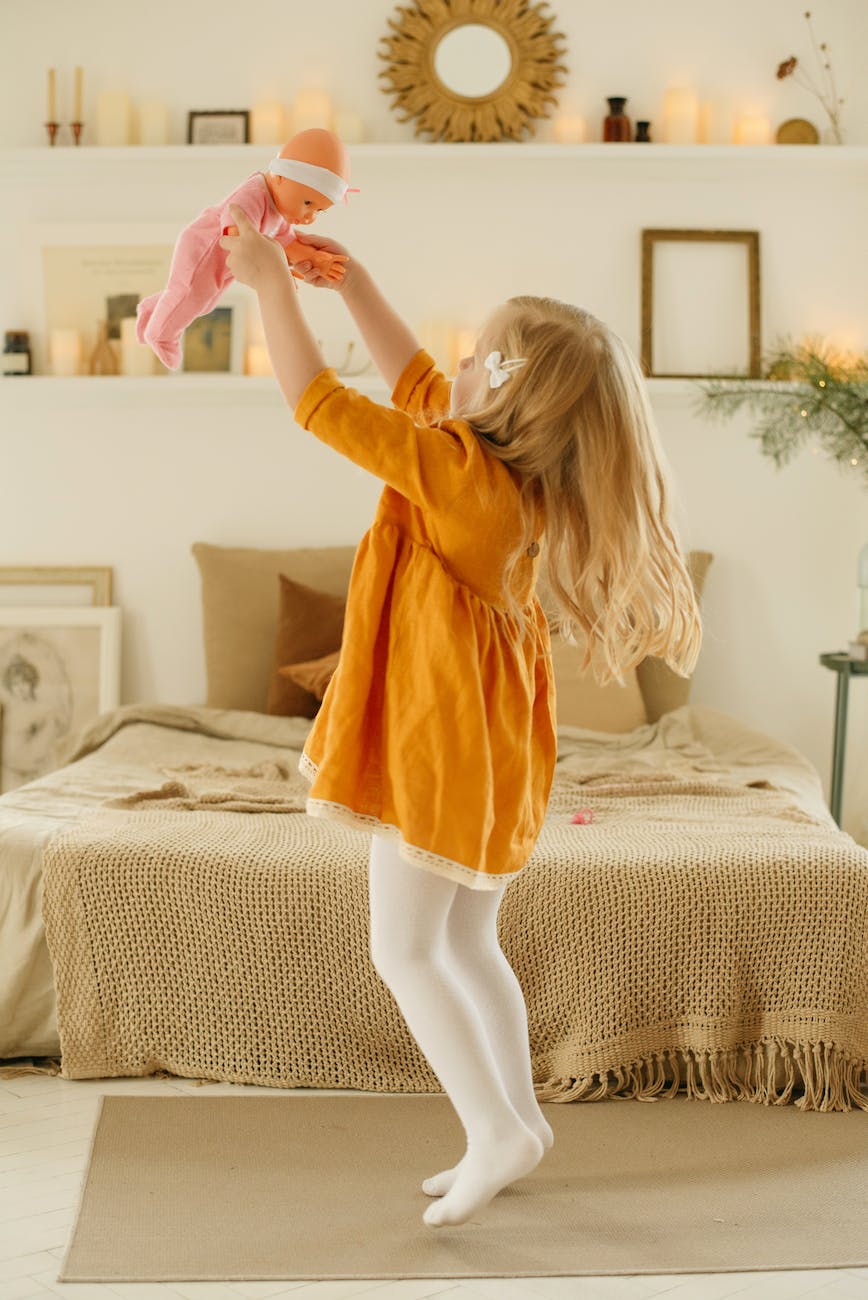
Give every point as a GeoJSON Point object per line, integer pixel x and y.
{"type": "Point", "coordinates": [215, 343]}
{"type": "Point", "coordinates": [218, 126]}
{"type": "Point", "coordinates": [59, 670]}
{"type": "Point", "coordinates": [700, 304]}
{"type": "Point", "coordinates": [55, 585]}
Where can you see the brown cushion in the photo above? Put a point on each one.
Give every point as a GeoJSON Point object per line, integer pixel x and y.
{"type": "Point", "coordinates": [314, 675]}
{"type": "Point", "coordinates": [310, 624]}
{"type": "Point", "coordinates": [240, 607]}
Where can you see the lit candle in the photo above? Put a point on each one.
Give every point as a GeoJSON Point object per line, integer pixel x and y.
{"type": "Point", "coordinates": [65, 351]}
{"type": "Point", "coordinates": [350, 127]}
{"type": "Point", "coordinates": [715, 122]}
{"type": "Point", "coordinates": [52, 106]}
{"type": "Point", "coordinates": [113, 117]}
{"type": "Point", "coordinates": [312, 108]}
{"type": "Point", "coordinates": [136, 358]}
{"type": "Point", "coordinates": [570, 128]}
{"type": "Point", "coordinates": [436, 338]}
{"type": "Point", "coordinates": [153, 122]}
{"type": "Point", "coordinates": [258, 360]}
{"type": "Point", "coordinates": [751, 128]}
{"type": "Point", "coordinates": [464, 342]}
{"type": "Point", "coordinates": [680, 116]}
{"type": "Point", "coordinates": [268, 123]}
{"type": "Point", "coordinates": [79, 76]}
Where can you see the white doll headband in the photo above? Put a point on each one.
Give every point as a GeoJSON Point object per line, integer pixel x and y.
{"type": "Point", "coordinates": [322, 180]}
{"type": "Point", "coordinates": [500, 369]}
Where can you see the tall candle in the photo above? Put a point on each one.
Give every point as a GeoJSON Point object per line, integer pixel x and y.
{"type": "Point", "coordinates": [52, 106]}
{"type": "Point", "coordinates": [312, 108]}
{"type": "Point", "coordinates": [79, 76]}
{"type": "Point", "coordinates": [680, 116]}
{"type": "Point", "coordinates": [751, 128]}
{"type": "Point", "coordinates": [268, 123]}
{"type": "Point", "coordinates": [136, 358]}
{"type": "Point", "coordinates": [570, 128]}
{"type": "Point", "coordinates": [64, 348]}
{"type": "Point", "coordinates": [464, 342]}
{"type": "Point", "coordinates": [258, 360]}
{"type": "Point", "coordinates": [715, 122]}
{"type": "Point", "coordinates": [153, 121]}
{"type": "Point", "coordinates": [436, 338]}
{"type": "Point", "coordinates": [113, 117]}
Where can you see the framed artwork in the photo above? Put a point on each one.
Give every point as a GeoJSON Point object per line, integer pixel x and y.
{"type": "Point", "coordinates": [46, 586]}
{"type": "Point", "coordinates": [59, 669]}
{"type": "Point", "coordinates": [215, 342]}
{"type": "Point", "coordinates": [219, 126]}
{"type": "Point", "coordinates": [701, 304]}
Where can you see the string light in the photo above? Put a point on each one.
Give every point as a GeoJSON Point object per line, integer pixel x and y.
{"type": "Point", "coordinates": [804, 412]}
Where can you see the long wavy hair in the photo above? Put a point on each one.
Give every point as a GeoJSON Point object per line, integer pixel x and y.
{"type": "Point", "coordinates": [576, 424]}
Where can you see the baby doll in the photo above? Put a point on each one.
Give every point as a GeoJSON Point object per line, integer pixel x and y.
{"type": "Point", "coordinates": [310, 173]}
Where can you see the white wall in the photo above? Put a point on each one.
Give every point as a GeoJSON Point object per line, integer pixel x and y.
{"type": "Point", "coordinates": [86, 480]}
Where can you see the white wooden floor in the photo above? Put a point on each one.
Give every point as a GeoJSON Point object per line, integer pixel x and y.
{"type": "Point", "coordinates": [45, 1129]}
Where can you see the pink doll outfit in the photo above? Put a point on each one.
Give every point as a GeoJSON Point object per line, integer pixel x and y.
{"type": "Point", "coordinates": [198, 274]}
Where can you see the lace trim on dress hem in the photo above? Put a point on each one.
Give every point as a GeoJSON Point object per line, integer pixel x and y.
{"type": "Point", "coordinates": [409, 852]}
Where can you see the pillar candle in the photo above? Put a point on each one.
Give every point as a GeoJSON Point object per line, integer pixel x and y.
{"type": "Point", "coordinates": [464, 342]}
{"type": "Point", "coordinates": [716, 122]}
{"type": "Point", "coordinates": [113, 117]}
{"type": "Point", "coordinates": [136, 358]}
{"type": "Point", "coordinates": [258, 360]}
{"type": "Point", "coordinates": [65, 351]}
{"type": "Point", "coordinates": [152, 117]}
{"type": "Point", "coordinates": [750, 128]}
{"type": "Point", "coordinates": [435, 337]}
{"type": "Point", "coordinates": [76, 112]}
{"type": "Point", "coordinates": [52, 105]}
{"type": "Point", "coordinates": [570, 128]}
{"type": "Point", "coordinates": [312, 108]}
{"type": "Point", "coordinates": [680, 116]}
{"type": "Point", "coordinates": [268, 123]}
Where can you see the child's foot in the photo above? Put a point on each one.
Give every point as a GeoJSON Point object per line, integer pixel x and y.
{"type": "Point", "coordinates": [168, 351]}
{"type": "Point", "coordinates": [440, 1184]}
{"type": "Point", "coordinates": [483, 1173]}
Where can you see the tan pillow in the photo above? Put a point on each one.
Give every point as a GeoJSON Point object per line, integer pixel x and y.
{"type": "Point", "coordinates": [309, 625]}
{"type": "Point", "coordinates": [314, 675]}
{"type": "Point", "coordinates": [582, 702]}
{"type": "Point", "coordinates": [240, 607]}
{"type": "Point", "coordinates": [662, 689]}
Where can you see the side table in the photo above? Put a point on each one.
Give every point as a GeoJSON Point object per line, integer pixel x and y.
{"type": "Point", "coordinates": [846, 668]}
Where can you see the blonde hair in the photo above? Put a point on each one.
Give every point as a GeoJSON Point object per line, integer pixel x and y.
{"type": "Point", "coordinates": [576, 424]}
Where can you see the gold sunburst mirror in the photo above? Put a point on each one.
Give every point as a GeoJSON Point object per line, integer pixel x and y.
{"type": "Point", "coordinates": [472, 69]}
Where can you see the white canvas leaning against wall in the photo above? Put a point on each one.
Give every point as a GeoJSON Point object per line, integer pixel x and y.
{"type": "Point", "coordinates": [59, 669]}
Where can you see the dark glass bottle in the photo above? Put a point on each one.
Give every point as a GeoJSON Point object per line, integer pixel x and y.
{"type": "Point", "coordinates": [642, 133]}
{"type": "Point", "coordinates": [16, 353]}
{"type": "Point", "coordinates": [616, 127]}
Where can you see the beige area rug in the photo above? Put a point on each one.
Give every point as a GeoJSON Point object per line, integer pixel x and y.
{"type": "Point", "coordinates": [315, 1187]}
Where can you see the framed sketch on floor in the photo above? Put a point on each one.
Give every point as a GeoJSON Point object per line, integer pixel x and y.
{"type": "Point", "coordinates": [59, 670]}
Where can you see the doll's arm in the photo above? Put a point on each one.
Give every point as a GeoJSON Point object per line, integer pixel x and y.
{"type": "Point", "coordinates": [328, 264]}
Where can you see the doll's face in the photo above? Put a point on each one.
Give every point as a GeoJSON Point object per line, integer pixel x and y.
{"type": "Point", "coordinates": [298, 204]}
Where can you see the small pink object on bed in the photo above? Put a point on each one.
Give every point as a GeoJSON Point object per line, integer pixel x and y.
{"type": "Point", "coordinates": [582, 817]}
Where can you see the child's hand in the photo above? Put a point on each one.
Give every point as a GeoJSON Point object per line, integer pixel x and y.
{"type": "Point", "coordinates": [323, 267]}
{"type": "Point", "coordinates": [253, 258]}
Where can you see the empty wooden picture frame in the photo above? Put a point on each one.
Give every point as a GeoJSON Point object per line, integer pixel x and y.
{"type": "Point", "coordinates": [32, 585]}
{"type": "Point", "coordinates": [700, 304]}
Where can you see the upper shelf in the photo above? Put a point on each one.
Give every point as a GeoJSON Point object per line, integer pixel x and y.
{"type": "Point", "coordinates": [44, 162]}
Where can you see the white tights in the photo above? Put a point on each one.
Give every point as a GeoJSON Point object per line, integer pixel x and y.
{"type": "Point", "coordinates": [434, 943]}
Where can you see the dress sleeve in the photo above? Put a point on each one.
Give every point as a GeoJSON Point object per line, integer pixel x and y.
{"type": "Point", "coordinates": [430, 466]}
{"type": "Point", "coordinates": [422, 390]}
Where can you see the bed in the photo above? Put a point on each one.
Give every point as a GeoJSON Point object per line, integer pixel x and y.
{"type": "Point", "coordinates": [168, 907]}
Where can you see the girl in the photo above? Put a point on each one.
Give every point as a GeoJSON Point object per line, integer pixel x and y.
{"type": "Point", "coordinates": [437, 732]}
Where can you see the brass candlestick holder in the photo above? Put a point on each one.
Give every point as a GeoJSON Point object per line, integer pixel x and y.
{"type": "Point", "coordinates": [76, 131]}
{"type": "Point", "coordinates": [51, 127]}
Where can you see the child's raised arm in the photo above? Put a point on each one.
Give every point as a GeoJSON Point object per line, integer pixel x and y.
{"type": "Point", "coordinates": [389, 340]}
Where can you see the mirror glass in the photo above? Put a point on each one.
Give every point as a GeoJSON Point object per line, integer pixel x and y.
{"type": "Point", "coordinates": [472, 60]}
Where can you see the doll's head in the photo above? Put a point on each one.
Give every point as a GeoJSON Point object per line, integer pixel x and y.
{"type": "Point", "coordinates": [310, 173]}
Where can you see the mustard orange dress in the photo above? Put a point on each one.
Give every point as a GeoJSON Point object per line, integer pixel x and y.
{"type": "Point", "coordinates": [437, 729]}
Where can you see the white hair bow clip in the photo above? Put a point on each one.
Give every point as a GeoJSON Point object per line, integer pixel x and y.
{"type": "Point", "coordinates": [500, 369]}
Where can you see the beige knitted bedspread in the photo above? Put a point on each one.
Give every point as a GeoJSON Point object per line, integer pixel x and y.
{"type": "Point", "coordinates": [708, 929]}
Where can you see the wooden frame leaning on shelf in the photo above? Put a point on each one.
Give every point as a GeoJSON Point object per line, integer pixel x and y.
{"type": "Point", "coordinates": [702, 321]}
{"type": "Point", "coordinates": [99, 580]}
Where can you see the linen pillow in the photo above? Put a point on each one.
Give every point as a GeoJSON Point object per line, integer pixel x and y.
{"type": "Point", "coordinates": [240, 609]}
{"type": "Point", "coordinates": [314, 675]}
{"type": "Point", "coordinates": [310, 624]}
